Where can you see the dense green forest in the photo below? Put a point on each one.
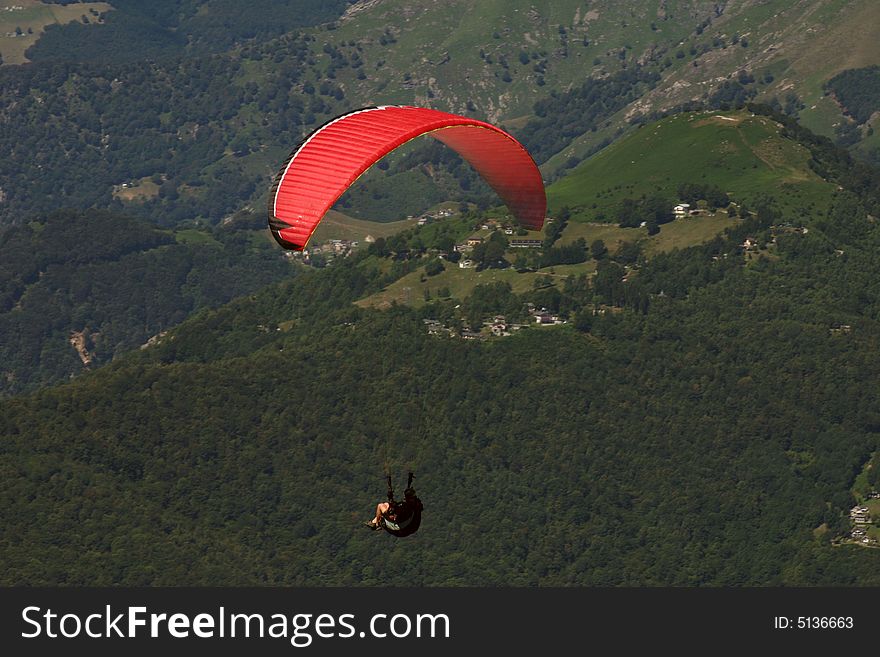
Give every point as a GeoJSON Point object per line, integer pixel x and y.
{"type": "Point", "coordinates": [858, 90]}
{"type": "Point", "coordinates": [121, 123]}
{"type": "Point", "coordinates": [703, 426]}
{"type": "Point", "coordinates": [115, 281]}
{"type": "Point", "coordinates": [194, 137]}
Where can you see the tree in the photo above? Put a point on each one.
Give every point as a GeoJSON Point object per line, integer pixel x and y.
{"type": "Point", "coordinates": [553, 230]}
{"type": "Point", "coordinates": [598, 250]}
{"type": "Point", "coordinates": [397, 243]}
{"type": "Point", "coordinates": [628, 253]}
{"type": "Point", "coordinates": [478, 253]}
{"type": "Point", "coordinates": [378, 248]}
{"type": "Point", "coordinates": [494, 253]}
{"type": "Point", "coordinates": [628, 215]}
{"type": "Point", "coordinates": [490, 253]}
{"type": "Point", "coordinates": [434, 267]}
{"type": "Point", "coordinates": [583, 320]}
{"type": "Point", "coordinates": [542, 281]}
{"type": "Point", "coordinates": [445, 243]}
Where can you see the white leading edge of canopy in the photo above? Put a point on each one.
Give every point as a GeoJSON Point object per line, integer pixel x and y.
{"type": "Point", "coordinates": [312, 136]}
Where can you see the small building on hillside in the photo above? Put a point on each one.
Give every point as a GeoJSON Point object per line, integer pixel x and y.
{"type": "Point", "coordinates": [526, 244]}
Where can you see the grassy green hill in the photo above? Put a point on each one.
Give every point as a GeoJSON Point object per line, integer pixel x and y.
{"type": "Point", "coordinates": [786, 50]}
{"type": "Point", "coordinates": [744, 155]}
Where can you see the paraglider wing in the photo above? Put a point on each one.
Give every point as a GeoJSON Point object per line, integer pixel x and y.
{"type": "Point", "coordinates": [319, 171]}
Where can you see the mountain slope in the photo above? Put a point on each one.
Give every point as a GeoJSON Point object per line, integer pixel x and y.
{"type": "Point", "coordinates": [78, 289]}
{"type": "Point", "coordinates": [699, 443]}
{"type": "Point", "coordinates": [131, 30]}
{"type": "Point", "coordinates": [211, 131]}
{"type": "Point", "coordinates": [466, 51]}
{"type": "Point", "coordinates": [745, 155]}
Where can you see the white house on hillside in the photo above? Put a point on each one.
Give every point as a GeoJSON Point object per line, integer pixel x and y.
{"type": "Point", "coordinates": [681, 209]}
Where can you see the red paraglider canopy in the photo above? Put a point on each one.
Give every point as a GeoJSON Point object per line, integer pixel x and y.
{"type": "Point", "coordinates": [319, 171]}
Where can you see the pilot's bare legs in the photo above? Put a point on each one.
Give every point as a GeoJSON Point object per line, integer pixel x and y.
{"type": "Point", "coordinates": [381, 509]}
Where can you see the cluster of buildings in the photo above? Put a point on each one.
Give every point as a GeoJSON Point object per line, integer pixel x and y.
{"type": "Point", "coordinates": [437, 328]}
{"type": "Point", "coordinates": [327, 251]}
{"type": "Point", "coordinates": [861, 519]}
{"type": "Point", "coordinates": [498, 326]}
{"type": "Point", "coordinates": [542, 316]}
{"type": "Point", "coordinates": [468, 245]}
{"type": "Point", "coordinates": [788, 229]}
{"type": "Point", "coordinates": [509, 229]}
{"type": "Point", "coordinates": [428, 217]}
{"type": "Point", "coordinates": [685, 210]}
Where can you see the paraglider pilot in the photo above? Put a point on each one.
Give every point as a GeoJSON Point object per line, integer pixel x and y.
{"type": "Point", "coordinates": [398, 518]}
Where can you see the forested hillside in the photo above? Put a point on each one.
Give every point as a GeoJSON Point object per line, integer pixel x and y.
{"type": "Point", "coordinates": [77, 289]}
{"type": "Point", "coordinates": [638, 395]}
{"type": "Point", "coordinates": [705, 428]}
